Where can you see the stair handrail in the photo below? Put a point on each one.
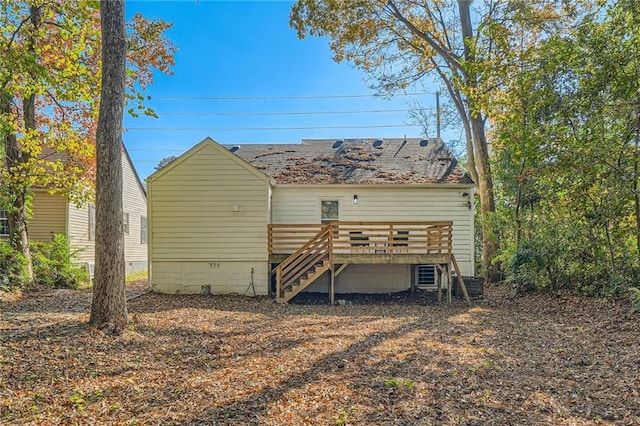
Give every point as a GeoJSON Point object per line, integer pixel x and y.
{"type": "Point", "coordinates": [317, 251]}
{"type": "Point", "coordinates": [305, 246]}
{"type": "Point", "coordinates": [302, 250]}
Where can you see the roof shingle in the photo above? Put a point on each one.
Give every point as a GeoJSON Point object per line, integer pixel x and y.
{"type": "Point", "coordinates": [356, 161]}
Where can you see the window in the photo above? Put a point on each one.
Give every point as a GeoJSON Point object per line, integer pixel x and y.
{"type": "Point", "coordinates": [143, 230]}
{"type": "Point", "coordinates": [92, 222]}
{"type": "Point", "coordinates": [125, 223]}
{"type": "Point", "coordinates": [328, 211]}
{"type": "Point", "coordinates": [4, 223]}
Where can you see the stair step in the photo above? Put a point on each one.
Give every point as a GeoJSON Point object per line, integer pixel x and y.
{"type": "Point", "coordinates": [303, 282]}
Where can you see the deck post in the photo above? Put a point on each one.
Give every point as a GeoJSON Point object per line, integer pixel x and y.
{"type": "Point", "coordinates": [278, 282]}
{"type": "Point", "coordinates": [439, 282]}
{"type": "Point", "coordinates": [449, 281]}
{"type": "Point", "coordinates": [463, 287]}
{"type": "Point", "coordinates": [414, 278]}
{"type": "Point", "coordinates": [332, 285]}
{"type": "Point", "coordinates": [332, 267]}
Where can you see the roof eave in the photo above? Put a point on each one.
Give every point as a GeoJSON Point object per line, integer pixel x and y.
{"type": "Point", "coordinates": [368, 185]}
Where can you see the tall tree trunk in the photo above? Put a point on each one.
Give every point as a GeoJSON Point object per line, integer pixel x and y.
{"type": "Point", "coordinates": [19, 231]}
{"type": "Point", "coordinates": [636, 176]}
{"type": "Point", "coordinates": [481, 151]}
{"type": "Point", "coordinates": [16, 156]}
{"type": "Point", "coordinates": [21, 217]}
{"type": "Point", "coordinates": [487, 200]}
{"type": "Point", "coordinates": [17, 211]}
{"type": "Point", "coordinates": [109, 305]}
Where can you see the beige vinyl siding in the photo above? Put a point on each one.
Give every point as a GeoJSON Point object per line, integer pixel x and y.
{"type": "Point", "coordinates": [297, 204]}
{"type": "Point", "coordinates": [208, 216]}
{"type": "Point", "coordinates": [134, 202]}
{"type": "Point", "coordinates": [49, 216]}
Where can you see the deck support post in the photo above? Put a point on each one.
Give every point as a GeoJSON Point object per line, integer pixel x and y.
{"type": "Point", "coordinates": [332, 284]}
{"type": "Point", "coordinates": [414, 278]}
{"type": "Point", "coordinates": [278, 283]}
{"type": "Point", "coordinates": [439, 282]}
{"type": "Point", "coordinates": [463, 287]}
{"type": "Point", "coordinates": [449, 281]}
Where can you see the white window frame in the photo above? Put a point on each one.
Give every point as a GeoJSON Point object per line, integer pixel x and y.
{"type": "Point", "coordinates": [143, 230]}
{"type": "Point", "coordinates": [125, 223]}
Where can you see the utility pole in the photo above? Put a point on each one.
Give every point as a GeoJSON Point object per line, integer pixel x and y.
{"type": "Point", "coordinates": [438, 114]}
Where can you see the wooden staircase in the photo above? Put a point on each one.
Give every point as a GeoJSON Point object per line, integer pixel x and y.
{"type": "Point", "coordinates": [303, 267]}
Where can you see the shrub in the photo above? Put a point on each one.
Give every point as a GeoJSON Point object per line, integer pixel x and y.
{"type": "Point", "coordinates": [53, 263]}
{"type": "Point", "coordinates": [634, 297]}
{"type": "Point", "coordinates": [525, 268]}
{"type": "Point", "coordinates": [11, 267]}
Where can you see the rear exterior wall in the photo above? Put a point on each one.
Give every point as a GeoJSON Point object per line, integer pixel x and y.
{"type": "Point", "coordinates": [298, 204]}
{"type": "Point", "coordinates": [208, 218]}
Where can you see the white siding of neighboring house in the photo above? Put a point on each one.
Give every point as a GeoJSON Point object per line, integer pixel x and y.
{"type": "Point", "coordinates": [198, 237]}
{"type": "Point", "coordinates": [134, 202]}
{"type": "Point", "coordinates": [49, 216]}
{"type": "Point", "coordinates": [298, 204]}
{"type": "Point", "coordinates": [79, 234]}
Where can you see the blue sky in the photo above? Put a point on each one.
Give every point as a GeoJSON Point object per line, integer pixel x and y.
{"type": "Point", "coordinates": [240, 71]}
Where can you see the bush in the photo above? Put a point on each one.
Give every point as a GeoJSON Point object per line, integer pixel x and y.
{"type": "Point", "coordinates": [53, 263]}
{"type": "Point", "coordinates": [634, 297]}
{"type": "Point", "coordinates": [525, 270]}
{"type": "Point", "coordinates": [11, 267]}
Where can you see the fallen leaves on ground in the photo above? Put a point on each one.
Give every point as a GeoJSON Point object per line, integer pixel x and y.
{"type": "Point", "coordinates": [206, 360]}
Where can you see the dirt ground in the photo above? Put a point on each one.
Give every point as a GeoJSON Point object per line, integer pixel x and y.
{"type": "Point", "coordinates": [399, 360]}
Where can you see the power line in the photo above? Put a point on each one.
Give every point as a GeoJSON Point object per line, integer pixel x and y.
{"type": "Point", "coordinates": [145, 161]}
{"type": "Point", "coordinates": [233, 129]}
{"type": "Point", "coordinates": [274, 98]}
{"type": "Point", "coordinates": [159, 150]}
{"type": "Point", "coordinates": [366, 111]}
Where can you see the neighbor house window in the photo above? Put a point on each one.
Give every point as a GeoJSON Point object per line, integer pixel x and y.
{"type": "Point", "coordinates": [125, 223]}
{"type": "Point", "coordinates": [143, 230]}
{"type": "Point", "coordinates": [4, 223]}
{"type": "Point", "coordinates": [92, 222]}
{"type": "Point", "coordinates": [328, 211]}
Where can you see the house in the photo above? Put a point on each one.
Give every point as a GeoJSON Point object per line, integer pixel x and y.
{"type": "Point", "coordinates": [352, 215]}
{"type": "Point", "coordinates": [53, 214]}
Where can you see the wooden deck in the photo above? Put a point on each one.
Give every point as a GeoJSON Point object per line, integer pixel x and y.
{"type": "Point", "coordinates": [304, 252]}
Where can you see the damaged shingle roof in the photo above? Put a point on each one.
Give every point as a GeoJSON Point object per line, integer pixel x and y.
{"type": "Point", "coordinates": [356, 161]}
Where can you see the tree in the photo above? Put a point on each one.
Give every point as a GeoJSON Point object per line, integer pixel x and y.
{"type": "Point", "coordinates": [398, 42]}
{"type": "Point", "coordinates": [45, 69]}
{"type": "Point", "coordinates": [49, 92]}
{"type": "Point", "coordinates": [109, 307]}
{"type": "Point", "coordinates": [567, 129]}
{"type": "Point", "coordinates": [164, 162]}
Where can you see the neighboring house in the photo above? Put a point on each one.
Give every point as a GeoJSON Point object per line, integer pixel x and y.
{"type": "Point", "coordinates": [358, 215]}
{"type": "Point", "coordinates": [53, 214]}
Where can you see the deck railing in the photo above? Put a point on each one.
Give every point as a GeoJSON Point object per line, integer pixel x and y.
{"type": "Point", "coordinates": [374, 238]}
